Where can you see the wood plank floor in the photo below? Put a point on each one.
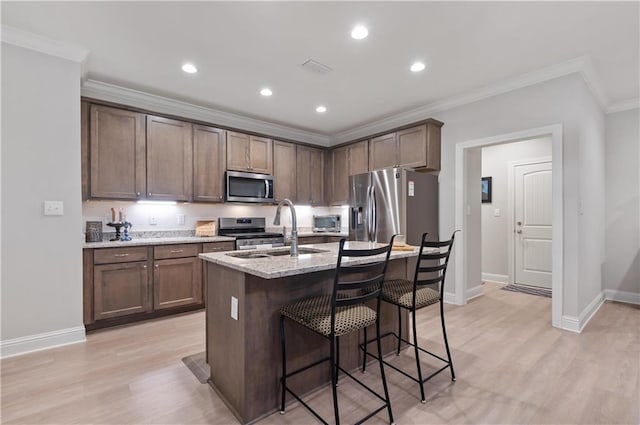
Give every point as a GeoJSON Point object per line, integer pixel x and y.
{"type": "Point", "coordinates": [511, 365]}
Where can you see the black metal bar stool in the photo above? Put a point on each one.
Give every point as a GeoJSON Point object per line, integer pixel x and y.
{"type": "Point", "coordinates": [415, 295]}
{"type": "Point", "coordinates": [342, 312]}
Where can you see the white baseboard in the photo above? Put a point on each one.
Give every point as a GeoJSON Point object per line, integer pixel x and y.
{"type": "Point", "coordinates": [474, 292]}
{"type": "Point", "coordinates": [622, 296]}
{"type": "Point", "coordinates": [497, 278]}
{"type": "Point", "coordinates": [450, 298]}
{"type": "Point", "coordinates": [577, 324]}
{"type": "Point", "coordinates": [43, 341]}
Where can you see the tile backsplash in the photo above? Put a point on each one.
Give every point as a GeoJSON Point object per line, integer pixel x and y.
{"type": "Point", "coordinates": [167, 217]}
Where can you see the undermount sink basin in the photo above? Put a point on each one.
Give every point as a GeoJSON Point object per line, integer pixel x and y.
{"type": "Point", "coordinates": [278, 253]}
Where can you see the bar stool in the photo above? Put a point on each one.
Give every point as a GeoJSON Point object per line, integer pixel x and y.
{"type": "Point", "coordinates": [342, 312]}
{"type": "Point", "coordinates": [415, 295]}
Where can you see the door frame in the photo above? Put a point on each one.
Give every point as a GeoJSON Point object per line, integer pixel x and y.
{"type": "Point", "coordinates": [511, 209]}
{"type": "Point", "coordinates": [461, 190]}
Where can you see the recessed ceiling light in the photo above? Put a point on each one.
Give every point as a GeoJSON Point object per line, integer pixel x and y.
{"type": "Point", "coordinates": [266, 92]}
{"type": "Point", "coordinates": [321, 109]}
{"type": "Point", "coordinates": [189, 68]}
{"type": "Point", "coordinates": [417, 67]}
{"type": "Point", "coordinates": [359, 32]}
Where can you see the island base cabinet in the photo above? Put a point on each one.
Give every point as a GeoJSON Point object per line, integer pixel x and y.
{"type": "Point", "coordinates": [243, 353]}
{"type": "Point", "coordinates": [120, 290]}
{"type": "Point", "coordinates": [177, 282]}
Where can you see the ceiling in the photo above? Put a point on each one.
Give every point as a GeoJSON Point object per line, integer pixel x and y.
{"type": "Point", "coordinates": [241, 47]}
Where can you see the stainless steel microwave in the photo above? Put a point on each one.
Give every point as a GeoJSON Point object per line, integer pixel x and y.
{"type": "Point", "coordinates": [249, 187]}
{"type": "Point", "coordinates": [326, 223]}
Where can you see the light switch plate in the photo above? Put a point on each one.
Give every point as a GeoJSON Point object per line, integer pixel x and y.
{"type": "Point", "coordinates": [234, 308]}
{"type": "Point", "coordinates": [496, 212]}
{"type": "Point", "coordinates": [53, 208]}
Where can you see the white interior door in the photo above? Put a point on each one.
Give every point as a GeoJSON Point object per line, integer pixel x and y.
{"type": "Point", "coordinates": [533, 217]}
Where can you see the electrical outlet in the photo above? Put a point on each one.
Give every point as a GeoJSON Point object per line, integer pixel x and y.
{"type": "Point", "coordinates": [53, 207]}
{"type": "Point", "coordinates": [234, 308]}
{"type": "Point", "coordinates": [180, 219]}
{"type": "Point", "coordinates": [153, 220]}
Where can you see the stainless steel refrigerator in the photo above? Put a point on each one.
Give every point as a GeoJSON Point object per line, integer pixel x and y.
{"type": "Point", "coordinates": [393, 201]}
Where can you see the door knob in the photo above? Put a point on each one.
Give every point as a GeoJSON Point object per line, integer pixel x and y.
{"type": "Point", "coordinates": [518, 231]}
{"type": "Point", "coordinates": [519, 223]}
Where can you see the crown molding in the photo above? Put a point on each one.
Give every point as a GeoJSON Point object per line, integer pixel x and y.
{"type": "Point", "coordinates": [581, 65]}
{"type": "Point", "coordinates": [624, 105]}
{"type": "Point", "coordinates": [42, 44]}
{"type": "Point", "coordinates": [117, 94]}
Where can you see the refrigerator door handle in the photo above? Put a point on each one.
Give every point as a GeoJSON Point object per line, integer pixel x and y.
{"type": "Point", "coordinates": [374, 214]}
{"type": "Point", "coordinates": [369, 224]}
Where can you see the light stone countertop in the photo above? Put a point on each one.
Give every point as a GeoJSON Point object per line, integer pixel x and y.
{"type": "Point", "coordinates": [285, 265]}
{"type": "Point", "coordinates": [157, 241]}
{"type": "Point", "coordinates": [310, 233]}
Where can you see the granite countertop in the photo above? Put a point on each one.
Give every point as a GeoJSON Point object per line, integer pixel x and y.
{"type": "Point", "coordinates": [306, 233]}
{"type": "Point", "coordinates": [285, 265]}
{"type": "Point", "coordinates": [157, 241]}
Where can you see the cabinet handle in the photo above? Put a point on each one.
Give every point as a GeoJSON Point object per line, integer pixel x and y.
{"type": "Point", "coordinates": [149, 193]}
{"type": "Point", "coordinates": [156, 266]}
{"type": "Point", "coordinates": [120, 255]}
{"type": "Point", "coordinates": [176, 251]}
{"type": "Point", "coordinates": [144, 267]}
{"type": "Point", "coordinates": [137, 193]}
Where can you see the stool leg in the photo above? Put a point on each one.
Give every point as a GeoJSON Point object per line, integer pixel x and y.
{"type": "Point", "coordinates": [337, 359]}
{"type": "Point", "coordinates": [364, 352]}
{"type": "Point", "coordinates": [446, 342]}
{"type": "Point", "coordinates": [283, 380]}
{"type": "Point", "coordinates": [399, 330]}
{"type": "Point", "coordinates": [417, 351]}
{"type": "Point", "coordinates": [334, 379]}
{"type": "Point", "coordinates": [384, 378]}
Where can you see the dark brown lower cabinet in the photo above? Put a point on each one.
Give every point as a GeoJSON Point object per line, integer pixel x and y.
{"type": "Point", "coordinates": [177, 282]}
{"type": "Point", "coordinates": [120, 289]}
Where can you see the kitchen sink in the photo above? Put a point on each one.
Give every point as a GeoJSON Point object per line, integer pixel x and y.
{"type": "Point", "coordinates": [278, 253]}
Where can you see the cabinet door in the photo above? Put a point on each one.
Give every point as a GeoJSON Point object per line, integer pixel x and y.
{"type": "Point", "coordinates": [316, 176]}
{"type": "Point", "coordinates": [340, 181]}
{"type": "Point", "coordinates": [120, 289]}
{"type": "Point", "coordinates": [169, 159]}
{"type": "Point", "coordinates": [237, 151]}
{"type": "Point", "coordinates": [209, 156]}
{"type": "Point", "coordinates": [382, 152]}
{"type": "Point", "coordinates": [177, 282]}
{"type": "Point", "coordinates": [117, 153]}
{"type": "Point", "coordinates": [412, 147]}
{"type": "Point", "coordinates": [260, 155]}
{"type": "Point", "coordinates": [284, 170]}
{"type": "Point", "coordinates": [84, 149]}
{"type": "Point", "coordinates": [303, 173]}
{"type": "Point", "coordinates": [433, 145]}
{"type": "Point", "coordinates": [358, 157]}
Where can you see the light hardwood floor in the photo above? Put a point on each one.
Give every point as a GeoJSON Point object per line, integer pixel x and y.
{"type": "Point", "coordinates": [511, 365]}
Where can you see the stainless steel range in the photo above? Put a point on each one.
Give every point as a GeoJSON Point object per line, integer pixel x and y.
{"type": "Point", "coordinates": [249, 232]}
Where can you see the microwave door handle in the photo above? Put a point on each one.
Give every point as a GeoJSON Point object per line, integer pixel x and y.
{"type": "Point", "coordinates": [266, 189]}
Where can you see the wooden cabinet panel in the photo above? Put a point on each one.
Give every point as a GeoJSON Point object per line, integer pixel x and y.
{"type": "Point", "coordinates": [237, 151]}
{"type": "Point", "coordinates": [284, 171]}
{"type": "Point", "coordinates": [209, 159]}
{"type": "Point", "coordinates": [433, 145]}
{"type": "Point", "coordinates": [382, 152]}
{"type": "Point", "coordinates": [162, 252]}
{"type": "Point", "coordinates": [117, 153]}
{"type": "Point", "coordinates": [310, 175]}
{"type": "Point", "coordinates": [218, 246]}
{"type": "Point", "coordinates": [169, 159]}
{"type": "Point", "coordinates": [177, 282]}
{"type": "Point", "coordinates": [260, 155]}
{"type": "Point", "coordinates": [311, 239]}
{"type": "Point", "coordinates": [340, 180]}
{"type": "Point", "coordinates": [119, 255]}
{"type": "Point", "coordinates": [120, 289]}
{"type": "Point", "coordinates": [84, 149]}
{"type": "Point", "coordinates": [358, 158]}
{"type": "Point", "coordinates": [412, 147]}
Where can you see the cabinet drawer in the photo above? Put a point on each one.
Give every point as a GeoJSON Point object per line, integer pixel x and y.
{"type": "Point", "coordinates": [119, 255]}
{"type": "Point", "coordinates": [312, 239]}
{"type": "Point", "coordinates": [176, 251]}
{"type": "Point", "coordinates": [218, 246]}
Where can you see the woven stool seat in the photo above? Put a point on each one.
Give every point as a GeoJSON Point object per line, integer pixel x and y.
{"type": "Point", "coordinates": [315, 314]}
{"type": "Point", "coordinates": [400, 292]}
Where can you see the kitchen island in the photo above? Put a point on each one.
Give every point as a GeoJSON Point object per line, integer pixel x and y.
{"type": "Point", "coordinates": [245, 291]}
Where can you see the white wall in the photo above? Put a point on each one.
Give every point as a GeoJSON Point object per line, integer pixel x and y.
{"type": "Point", "coordinates": [495, 230]}
{"type": "Point", "coordinates": [472, 236]}
{"type": "Point", "coordinates": [559, 101]}
{"type": "Point", "coordinates": [41, 256]}
{"type": "Point", "coordinates": [166, 215]}
{"type": "Point", "coordinates": [621, 270]}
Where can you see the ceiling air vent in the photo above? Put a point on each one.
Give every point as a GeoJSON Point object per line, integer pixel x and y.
{"type": "Point", "coordinates": [316, 67]}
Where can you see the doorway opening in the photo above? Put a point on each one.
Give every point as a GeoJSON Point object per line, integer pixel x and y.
{"type": "Point", "coordinates": [468, 268]}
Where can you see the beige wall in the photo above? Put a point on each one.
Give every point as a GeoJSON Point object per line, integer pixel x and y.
{"type": "Point", "coordinates": [41, 255]}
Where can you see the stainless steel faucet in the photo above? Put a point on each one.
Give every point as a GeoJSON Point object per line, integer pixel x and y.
{"type": "Point", "coordinates": [294, 224]}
